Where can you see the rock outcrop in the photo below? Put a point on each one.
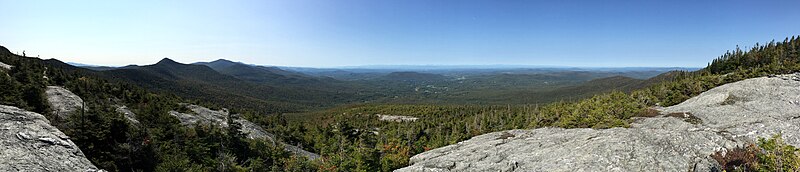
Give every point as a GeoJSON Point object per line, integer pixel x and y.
{"type": "Point", "coordinates": [127, 113]}
{"type": "Point", "coordinates": [62, 101]}
{"type": "Point", "coordinates": [396, 118]}
{"type": "Point", "coordinates": [679, 140]}
{"type": "Point", "coordinates": [204, 115]}
{"type": "Point", "coordinates": [749, 109]}
{"type": "Point", "coordinates": [5, 66]}
{"type": "Point", "coordinates": [30, 143]}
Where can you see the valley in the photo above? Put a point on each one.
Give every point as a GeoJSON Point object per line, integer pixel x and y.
{"type": "Point", "coordinates": [301, 91]}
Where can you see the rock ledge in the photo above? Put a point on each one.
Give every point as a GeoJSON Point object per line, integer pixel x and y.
{"type": "Point", "coordinates": [30, 143]}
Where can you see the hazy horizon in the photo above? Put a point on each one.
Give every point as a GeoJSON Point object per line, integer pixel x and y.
{"type": "Point", "coordinates": [326, 34]}
{"type": "Point", "coordinates": [421, 66]}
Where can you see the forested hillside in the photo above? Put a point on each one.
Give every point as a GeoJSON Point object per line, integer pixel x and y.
{"type": "Point", "coordinates": [203, 83]}
{"type": "Point", "coordinates": [259, 74]}
{"type": "Point", "coordinates": [157, 143]}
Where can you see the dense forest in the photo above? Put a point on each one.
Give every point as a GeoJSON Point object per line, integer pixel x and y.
{"type": "Point", "coordinates": [349, 137]}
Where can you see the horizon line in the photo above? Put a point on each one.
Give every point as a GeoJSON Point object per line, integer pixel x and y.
{"type": "Point", "coordinates": [406, 66]}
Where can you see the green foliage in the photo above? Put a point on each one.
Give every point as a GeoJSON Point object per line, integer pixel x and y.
{"type": "Point", "coordinates": [770, 154]}
{"type": "Point", "coordinates": [776, 155]}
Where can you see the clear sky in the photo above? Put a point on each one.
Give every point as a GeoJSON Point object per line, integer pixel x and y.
{"type": "Point", "coordinates": [326, 33]}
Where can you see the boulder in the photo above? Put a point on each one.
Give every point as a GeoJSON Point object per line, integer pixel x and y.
{"type": "Point", "coordinates": [30, 143]}
{"type": "Point", "coordinates": [396, 118]}
{"type": "Point", "coordinates": [202, 114]}
{"type": "Point", "coordinates": [5, 66]}
{"type": "Point", "coordinates": [128, 114]}
{"type": "Point", "coordinates": [62, 101]}
{"type": "Point", "coordinates": [681, 139]}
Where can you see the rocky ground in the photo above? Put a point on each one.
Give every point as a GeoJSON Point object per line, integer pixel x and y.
{"type": "Point", "coordinates": [5, 66]}
{"type": "Point", "coordinates": [130, 116]}
{"type": "Point", "coordinates": [396, 118]}
{"type": "Point", "coordinates": [30, 143]}
{"type": "Point", "coordinates": [681, 139]}
{"type": "Point", "coordinates": [62, 101]}
{"type": "Point", "coordinates": [219, 117]}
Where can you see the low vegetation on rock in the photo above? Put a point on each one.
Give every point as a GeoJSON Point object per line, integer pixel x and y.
{"type": "Point", "coordinates": [770, 154]}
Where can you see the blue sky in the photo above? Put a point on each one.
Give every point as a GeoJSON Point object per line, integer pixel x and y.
{"type": "Point", "coordinates": [329, 33]}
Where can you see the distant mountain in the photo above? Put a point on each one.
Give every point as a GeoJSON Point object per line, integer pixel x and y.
{"type": "Point", "coordinates": [259, 74]}
{"type": "Point", "coordinates": [168, 68]}
{"type": "Point", "coordinates": [80, 64]}
{"type": "Point", "coordinates": [4, 51]}
{"type": "Point", "coordinates": [340, 74]}
{"type": "Point", "coordinates": [414, 77]}
{"type": "Point", "coordinates": [597, 86]}
{"type": "Point", "coordinates": [202, 83]}
{"type": "Point", "coordinates": [218, 64]}
{"type": "Point", "coordinates": [590, 73]}
{"type": "Point", "coordinates": [619, 83]}
{"type": "Point", "coordinates": [236, 84]}
{"type": "Point", "coordinates": [91, 67]}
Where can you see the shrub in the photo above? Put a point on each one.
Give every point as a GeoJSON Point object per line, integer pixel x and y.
{"type": "Point", "coordinates": [769, 155]}
{"type": "Point", "coordinates": [737, 159]}
{"type": "Point", "coordinates": [775, 155]}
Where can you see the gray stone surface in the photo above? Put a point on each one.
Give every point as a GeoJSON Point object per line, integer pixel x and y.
{"type": "Point", "coordinates": [130, 116]}
{"type": "Point", "coordinates": [219, 117]}
{"type": "Point", "coordinates": [203, 115]}
{"type": "Point", "coordinates": [5, 66]}
{"type": "Point", "coordinates": [30, 143]}
{"type": "Point", "coordinates": [62, 101]}
{"type": "Point", "coordinates": [396, 118]}
{"type": "Point", "coordinates": [679, 140]}
{"type": "Point", "coordinates": [748, 109]}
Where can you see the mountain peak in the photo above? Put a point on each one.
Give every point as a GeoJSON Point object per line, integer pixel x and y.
{"type": "Point", "coordinates": [4, 50]}
{"type": "Point", "coordinates": [222, 61]}
{"type": "Point", "coordinates": [167, 61]}
{"type": "Point", "coordinates": [219, 64]}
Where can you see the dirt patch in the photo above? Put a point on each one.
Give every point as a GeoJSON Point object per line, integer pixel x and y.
{"type": "Point", "coordinates": [505, 135]}
{"type": "Point", "coordinates": [650, 112]}
{"type": "Point", "coordinates": [686, 116]}
{"type": "Point", "coordinates": [731, 99]}
{"type": "Point", "coordinates": [396, 118]}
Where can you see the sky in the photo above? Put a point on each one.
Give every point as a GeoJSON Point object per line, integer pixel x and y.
{"type": "Point", "coordinates": [333, 33]}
